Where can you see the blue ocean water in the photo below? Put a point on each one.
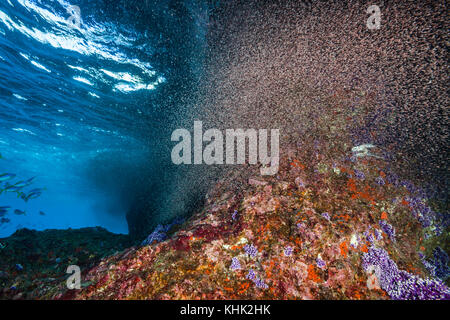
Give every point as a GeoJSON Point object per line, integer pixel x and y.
{"type": "Point", "coordinates": [68, 94]}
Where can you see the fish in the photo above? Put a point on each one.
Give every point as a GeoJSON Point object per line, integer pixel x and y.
{"type": "Point", "coordinates": [25, 183]}
{"type": "Point", "coordinates": [5, 220]}
{"type": "Point", "coordinates": [42, 213]}
{"type": "Point", "coordinates": [11, 188]}
{"type": "Point", "coordinates": [4, 211]}
{"type": "Point", "coordinates": [19, 212]}
{"type": "Point", "coordinates": [19, 184]}
{"type": "Point", "coordinates": [23, 196]}
{"type": "Point", "coordinates": [32, 195]}
{"type": "Point", "coordinates": [6, 176]}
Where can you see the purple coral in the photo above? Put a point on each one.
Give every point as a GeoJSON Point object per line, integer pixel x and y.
{"type": "Point", "coordinates": [438, 266]}
{"type": "Point", "coordinates": [251, 250]}
{"type": "Point", "coordinates": [380, 181]}
{"type": "Point", "coordinates": [393, 179]}
{"type": "Point", "coordinates": [158, 235]}
{"type": "Point", "coordinates": [409, 186]}
{"type": "Point", "coordinates": [260, 283]}
{"type": "Point", "coordinates": [399, 284]}
{"type": "Point", "coordinates": [234, 215]}
{"type": "Point", "coordinates": [421, 211]}
{"type": "Point", "coordinates": [378, 235]}
{"type": "Point", "coordinates": [360, 175]}
{"type": "Point", "coordinates": [235, 264]}
{"type": "Point", "coordinates": [251, 275]}
{"type": "Point", "coordinates": [388, 229]}
{"type": "Point", "coordinates": [326, 215]}
{"type": "Point", "coordinates": [369, 237]}
{"type": "Point", "coordinates": [256, 280]}
{"type": "Point", "coordinates": [160, 232]}
{"type": "Point", "coordinates": [288, 251]}
{"type": "Point", "coordinates": [320, 263]}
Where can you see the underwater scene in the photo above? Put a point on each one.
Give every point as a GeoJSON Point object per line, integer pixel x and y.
{"type": "Point", "coordinates": [224, 150]}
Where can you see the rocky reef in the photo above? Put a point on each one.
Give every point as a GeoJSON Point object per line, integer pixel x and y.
{"type": "Point", "coordinates": [34, 262]}
{"type": "Point", "coordinates": [320, 229]}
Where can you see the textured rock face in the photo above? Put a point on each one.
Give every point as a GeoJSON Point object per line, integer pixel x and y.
{"type": "Point", "coordinates": [33, 262]}
{"type": "Point", "coordinates": [282, 239]}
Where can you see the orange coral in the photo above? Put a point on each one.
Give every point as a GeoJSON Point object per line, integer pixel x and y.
{"type": "Point", "coordinates": [344, 249]}
{"type": "Point", "coordinates": [297, 164]}
{"type": "Point", "coordinates": [351, 185]}
{"type": "Point", "coordinates": [244, 287]}
{"type": "Point", "coordinates": [312, 274]}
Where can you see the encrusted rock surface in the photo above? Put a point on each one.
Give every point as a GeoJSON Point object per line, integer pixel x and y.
{"type": "Point", "coordinates": [310, 232]}
{"type": "Point", "coordinates": [33, 263]}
